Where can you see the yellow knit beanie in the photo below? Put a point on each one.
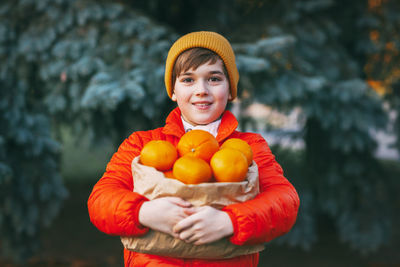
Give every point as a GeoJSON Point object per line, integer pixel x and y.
{"type": "Point", "coordinates": [210, 40]}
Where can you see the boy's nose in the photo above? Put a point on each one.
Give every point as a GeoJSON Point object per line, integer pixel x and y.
{"type": "Point", "coordinates": [201, 88]}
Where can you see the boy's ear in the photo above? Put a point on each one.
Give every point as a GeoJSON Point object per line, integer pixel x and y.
{"type": "Point", "coordinates": [230, 97]}
{"type": "Point", "coordinates": [173, 97]}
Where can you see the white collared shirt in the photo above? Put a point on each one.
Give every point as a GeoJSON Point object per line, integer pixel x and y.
{"type": "Point", "coordinates": [212, 127]}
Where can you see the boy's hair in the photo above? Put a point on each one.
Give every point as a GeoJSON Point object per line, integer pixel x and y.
{"type": "Point", "coordinates": [192, 59]}
{"type": "Point", "coordinates": [203, 39]}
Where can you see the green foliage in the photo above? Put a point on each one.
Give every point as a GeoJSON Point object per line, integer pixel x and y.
{"type": "Point", "coordinates": [380, 50]}
{"type": "Point", "coordinates": [31, 190]}
{"type": "Point", "coordinates": [95, 66]}
{"type": "Point", "coordinates": [349, 183]}
{"type": "Point", "coordinates": [100, 65]}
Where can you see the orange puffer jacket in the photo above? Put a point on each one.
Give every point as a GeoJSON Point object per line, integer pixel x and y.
{"type": "Point", "coordinates": [114, 207]}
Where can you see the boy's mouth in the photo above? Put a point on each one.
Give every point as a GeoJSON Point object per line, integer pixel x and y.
{"type": "Point", "coordinates": [202, 105]}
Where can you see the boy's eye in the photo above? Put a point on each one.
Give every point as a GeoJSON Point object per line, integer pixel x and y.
{"type": "Point", "coordinates": [215, 79]}
{"type": "Point", "coordinates": [187, 80]}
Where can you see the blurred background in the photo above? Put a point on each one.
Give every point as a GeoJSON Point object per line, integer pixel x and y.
{"type": "Point", "coordinates": [319, 79]}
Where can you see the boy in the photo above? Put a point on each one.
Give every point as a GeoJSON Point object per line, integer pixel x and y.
{"type": "Point", "coordinates": [201, 76]}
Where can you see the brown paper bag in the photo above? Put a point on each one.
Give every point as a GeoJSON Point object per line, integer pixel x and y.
{"type": "Point", "coordinates": [153, 184]}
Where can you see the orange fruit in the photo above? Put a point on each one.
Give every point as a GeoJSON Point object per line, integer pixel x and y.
{"type": "Point", "coordinates": [240, 145]}
{"type": "Point", "coordinates": [159, 154]}
{"type": "Point", "coordinates": [199, 144]}
{"type": "Point", "coordinates": [192, 170]}
{"type": "Point", "coordinates": [169, 174]}
{"type": "Point", "coordinates": [229, 165]}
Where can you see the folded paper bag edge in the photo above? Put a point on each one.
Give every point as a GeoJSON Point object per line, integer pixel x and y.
{"type": "Point", "coordinates": [221, 249]}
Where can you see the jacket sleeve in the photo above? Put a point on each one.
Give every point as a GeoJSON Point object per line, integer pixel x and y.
{"type": "Point", "coordinates": [113, 206]}
{"type": "Point", "coordinates": [273, 211]}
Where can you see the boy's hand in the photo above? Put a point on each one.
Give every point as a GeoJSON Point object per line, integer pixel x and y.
{"type": "Point", "coordinates": [163, 213]}
{"type": "Point", "coordinates": [204, 226]}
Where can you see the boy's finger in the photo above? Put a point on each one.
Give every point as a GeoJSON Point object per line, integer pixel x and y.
{"type": "Point", "coordinates": [180, 202]}
{"type": "Point", "coordinates": [185, 235]}
{"type": "Point", "coordinates": [190, 239]}
{"type": "Point", "coordinates": [190, 211]}
{"type": "Point", "coordinates": [182, 225]}
{"type": "Point", "coordinates": [175, 235]}
{"type": "Point", "coordinates": [199, 242]}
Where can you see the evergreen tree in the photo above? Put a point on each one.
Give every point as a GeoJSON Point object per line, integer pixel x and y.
{"type": "Point", "coordinates": [94, 66]}
{"type": "Point", "coordinates": [379, 46]}
{"type": "Point", "coordinates": [31, 190]}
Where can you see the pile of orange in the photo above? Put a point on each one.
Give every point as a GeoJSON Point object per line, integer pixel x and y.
{"type": "Point", "coordinates": [198, 158]}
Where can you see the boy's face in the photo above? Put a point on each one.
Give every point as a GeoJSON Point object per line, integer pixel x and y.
{"type": "Point", "coordinates": [202, 94]}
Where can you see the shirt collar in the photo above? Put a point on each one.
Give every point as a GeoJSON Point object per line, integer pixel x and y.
{"type": "Point", "coordinates": [212, 127]}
